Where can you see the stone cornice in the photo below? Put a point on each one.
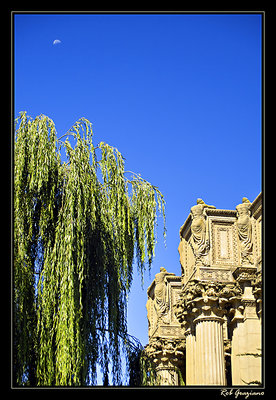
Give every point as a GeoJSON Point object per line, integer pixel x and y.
{"type": "Point", "coordinates": [218, 211]}
{"type": "Point", "coordinates": [173, 278]}
{"type": "Point", "coordinates": [185, 226]}
{"type": "Point", "coordinates": [256, 205]}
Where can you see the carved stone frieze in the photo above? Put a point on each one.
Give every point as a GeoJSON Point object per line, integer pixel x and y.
{"type": "Point", "coordinates": [215, 274]}
{"type": "Point", "coordinates": [245, 273]}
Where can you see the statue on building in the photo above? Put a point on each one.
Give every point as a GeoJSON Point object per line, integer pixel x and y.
{"type": "Point", "coordinates": [160, 294]}
{"type": "Point", "coordinates": [200, 237]}
{"type": "Point", "coordinates": [245, 231]}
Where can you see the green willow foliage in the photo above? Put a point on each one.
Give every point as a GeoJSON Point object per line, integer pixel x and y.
{"type": "Point", "coordinates": [77, 227]}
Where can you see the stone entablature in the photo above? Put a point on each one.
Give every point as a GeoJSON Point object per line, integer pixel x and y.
{"type": "Point", "coordinates": [214, 308]}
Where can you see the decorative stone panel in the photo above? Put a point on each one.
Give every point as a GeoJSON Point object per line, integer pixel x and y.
{"type": "Point", "coordinates": [224, 250]}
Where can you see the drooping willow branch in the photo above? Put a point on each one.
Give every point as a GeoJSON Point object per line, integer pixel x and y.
{"type": "Point", "coordinates": [78, 225]}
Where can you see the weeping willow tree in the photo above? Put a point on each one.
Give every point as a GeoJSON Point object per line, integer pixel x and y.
{"type": "Point", "coordinates": [78, 226]}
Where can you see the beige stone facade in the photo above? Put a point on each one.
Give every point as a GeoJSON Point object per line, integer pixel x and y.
{"type": "Point", "coordinates": [206, 324]}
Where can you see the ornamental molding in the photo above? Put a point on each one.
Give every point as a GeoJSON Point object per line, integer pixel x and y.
{"type": "Point", "coordinates": [218, 211]}
{"type": "Point", "coordinates": [248, 302]}
{"type": "Point", "coordinates": [224, 244]}
{"type": "Point", "coordinates": [245, 273]}
{"type": "Point", "coordinates": [185, 227]}
{"type": "Point", "coordinates": [196, 288]}
{"type": "Point", "coordinates": [256, 206]}
{"type": "Point", "coordinates": [214, 274]}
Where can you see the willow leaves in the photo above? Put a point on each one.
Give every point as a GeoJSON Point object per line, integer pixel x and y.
{"type": "Point", "coordinates": [78, 225]}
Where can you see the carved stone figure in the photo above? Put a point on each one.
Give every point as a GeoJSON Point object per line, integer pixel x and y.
{"type": "Point", "coordinates": [245, 231]}
{"type": "Point", "coordinates": [160, 293]}
{"type": "Point", "coordinates": [148, 311]}
{"type": "Point", "coordinates": [199, 238]}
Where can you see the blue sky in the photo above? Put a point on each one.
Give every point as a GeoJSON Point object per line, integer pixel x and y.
{"type": "Point", "coordinates": [178, 95]}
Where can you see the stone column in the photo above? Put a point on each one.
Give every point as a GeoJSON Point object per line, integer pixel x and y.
{"type": "Point", "coordinates": [210, 360]}
{"type": "Point", "coordinates": [190, 356]}
{"type": "Point", "coordinates": [246, 348]}
{"type": "Point", "coordinates": [237, 327]}
{"type": "Point", "coordinates": [202, 306]}
{"type": "Point", "coordinates": [167, 375]}
{"type": "Point", "coordinates": [246, 332]}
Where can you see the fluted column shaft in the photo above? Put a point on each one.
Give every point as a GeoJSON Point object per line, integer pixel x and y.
{"type": "Point", "coordinates": [190, 357]}
{"type": "Point", "coordinates": [210, 362]}
{"type": "Point", "coordinates": [246, 353]}
{"type": "Point", "coordinates": [167, 376]}
{"type": "Point", "coordinates": [202, 306]}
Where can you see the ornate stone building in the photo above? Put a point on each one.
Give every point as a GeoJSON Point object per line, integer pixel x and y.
{"type": "Point", "coordinates": [206, 323]}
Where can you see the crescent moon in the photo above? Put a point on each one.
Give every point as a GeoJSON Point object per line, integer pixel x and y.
{"type": "Point", "coordinates": [56, 41]}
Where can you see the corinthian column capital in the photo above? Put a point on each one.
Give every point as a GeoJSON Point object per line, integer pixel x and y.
{"type": "Point", "coordinates": [203, 299]}
{"type": "Point", "coordinates": [167, 356]}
